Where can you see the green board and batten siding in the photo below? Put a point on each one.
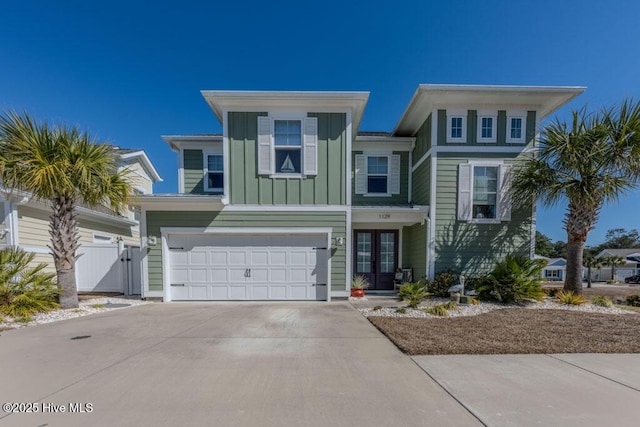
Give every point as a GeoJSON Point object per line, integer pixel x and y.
{"type": "Point", "coordinates": [395, 199]}
{"type": "Point", "coordinates": [472, 248]}
{"type": "Point", "coordinates": [325, 188]}
{"type": "Point", "coordinates": [193, 172]}
{"type": "Point", "coordinates": [501, 132]}
{"type": "Point", "coordinates": [334, 220]}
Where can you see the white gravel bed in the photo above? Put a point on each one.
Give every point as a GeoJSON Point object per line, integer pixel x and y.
{"type": "Point", "coordinates": [485, 307]}
{"type": "Point", "coordinates": [87, 307]}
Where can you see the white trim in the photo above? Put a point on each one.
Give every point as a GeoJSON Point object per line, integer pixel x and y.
{"type": "Point", "coordinates": [225, 155]}
{"type": "Point", "coordinates": [146, 163]}
{"type": "Point", "coordinates": [451, 114]}
{"type": "Point", "coordinates": [144, 288]}
{"type": "Point", "coordinates": [287, 208]}
{"type": "Point", "coordinates": [37, 250]}
{"type": "Point", "coordinates": [371, 143]}
{"type": "Point", "coordinates": [387, 155]}
{"type": "Point", "coordinates": [181, 170]}
{"type": "Point", "coordinates": [101, 238]}
{"type": "Point", "coordinates": [349, 155]}
{"type": "Point", "coordinates": [410, 178]}
{"type": "Point", "coordinates": [431, 220]}
{"type": "Point", "coordinates": [165, 232]}
{"type": "Point", "coordinates": [480, 149]}
{"type": "Point", "coordinates": [289, 117]}
{"type": "Point", "coordinates": [205, 170]}
{"type": "Point", "coordinates": [486, 114]}
{"type": "Point", "coordinates": [348, 247]}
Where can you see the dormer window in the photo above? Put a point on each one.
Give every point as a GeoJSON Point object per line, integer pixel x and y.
{"type": "Point", "coordinates": [457, 126]}
{"type": "Point", "coordinates": [516, 126]}
{"type": "Point", "coordinates": [487, 126]}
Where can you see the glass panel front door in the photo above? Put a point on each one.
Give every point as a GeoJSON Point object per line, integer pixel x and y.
{"type": "Point", "coordinates": [376, 257]}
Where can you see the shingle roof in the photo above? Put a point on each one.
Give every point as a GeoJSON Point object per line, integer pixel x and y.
{"type": "Point", "coordinates": [622, 252]}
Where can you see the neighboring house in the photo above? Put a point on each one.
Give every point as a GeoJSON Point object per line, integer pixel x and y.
{"type": "Point", "coordinates": [292, 200]}
{"type": "Point", "coordinates": [555, 270]}
{"type": "Point", "coordinates": [104, 234]}
{"type": "Point", "coordinates": [630, 268]}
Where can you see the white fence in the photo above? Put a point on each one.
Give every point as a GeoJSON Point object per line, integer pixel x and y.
{"type": "Point", "coordinates": [108, 268]}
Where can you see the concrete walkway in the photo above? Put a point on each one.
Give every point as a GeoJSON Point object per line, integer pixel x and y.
{"type": "Point", "coordinates": [542, 390]}
{"type": "Point", "coordinates": [226, 364]}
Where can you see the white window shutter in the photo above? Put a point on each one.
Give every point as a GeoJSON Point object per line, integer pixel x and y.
{"type": "Point", "coordinates": [361, 174]}
{"type": "Point", "coordinates": [464, 191]}
{"type": "Point", "coordinates": [264, 145]}
{"type": "Point", "coordinates": [310, 149]}
{"type": "Point", "coordinates": [504, 204]}
{"type": "Point", "coordinates": [394, 174]}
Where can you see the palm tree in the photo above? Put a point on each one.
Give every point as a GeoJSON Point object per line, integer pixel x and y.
{"type": "Point", "coordinates": [613, 261]}
{"type": "Point", "coordinates": [63, 166]}
{"type": "Point", "coordinates": [588, 163]}
{"type": "Point", "coordinates": [590, 261]}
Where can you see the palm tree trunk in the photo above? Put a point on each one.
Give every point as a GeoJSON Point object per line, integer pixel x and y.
{"type": "Point", "coordinates": [64, 243]}
{"type": "Point", "coordinates": [573, 282]}
{"type": "Point", "coordinates": [578, 222]}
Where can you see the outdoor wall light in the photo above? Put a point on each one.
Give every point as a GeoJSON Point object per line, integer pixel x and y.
{"type": "Point", "coordinates": [339, 241]}
{"type": "Point", "coordinates": [152, 240]}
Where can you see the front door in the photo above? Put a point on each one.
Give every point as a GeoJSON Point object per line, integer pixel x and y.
{"type": "Point", "coordinates": [375, 257]}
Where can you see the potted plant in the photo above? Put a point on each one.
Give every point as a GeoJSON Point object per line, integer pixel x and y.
{"type": "Point", "coordinates": [358, 285]}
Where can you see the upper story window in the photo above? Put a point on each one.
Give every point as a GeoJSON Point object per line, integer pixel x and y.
{"type": "Point", "coordinates": [516, 126]}
{"type": "Point", "coordinates": [287, 136]}
{"type": "Point", "coordinates": [456, 126]}
{"type": "Point", "coordinates": [377, 174]}
{"type": "Point", "coordinates": [484, 192]}
{"type": "Point", "coordinates": [214, 172]}
{"type": "Point", "coordinates": [287, 147]}
{"type": "Point", "coordinates": [487, 126]}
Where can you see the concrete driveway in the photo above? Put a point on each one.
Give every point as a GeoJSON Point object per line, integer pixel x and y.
{"type": "Point", "coordinates": [227, 364]}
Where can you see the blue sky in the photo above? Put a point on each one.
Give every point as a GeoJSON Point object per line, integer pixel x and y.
{"type": "Point", "coordinates": [131, 71]}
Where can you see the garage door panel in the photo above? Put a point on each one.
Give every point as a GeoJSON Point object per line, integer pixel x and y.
{"type": "Point", "coordinates": [248, 267]}
{"type": "Point", "coordinates": [198, 275]}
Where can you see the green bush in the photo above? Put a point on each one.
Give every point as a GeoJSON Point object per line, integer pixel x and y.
{"type": "Point", "coordinates": [25, 290]}
{"type": "Point", "coordinates": [401, 310]}
{"type": "Point", "coordinates": [633, 300]}
{"type": "Point", "coordinates": [437, 310]}
{"type": "Point", "coordinates": [513, 279]}
{"type": "Point", "coordinates": [569, 298]}
{"type": "Point", "coordinates": [443, 281]}
{"type": "Point", "coordinates": [413, 293]}
{"type": "Point", "coordinates": [602, 301]}
{"type": "Point", "coordinates": [551, 292]}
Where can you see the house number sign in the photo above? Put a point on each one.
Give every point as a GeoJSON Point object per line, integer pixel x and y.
{"type": "Point", "coordinates": [384, 216]}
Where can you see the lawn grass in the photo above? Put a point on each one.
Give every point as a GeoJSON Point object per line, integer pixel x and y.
{"type": "Point", "coordinates": [515, 331]}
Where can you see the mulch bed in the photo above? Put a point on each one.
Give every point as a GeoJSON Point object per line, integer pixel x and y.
{"type": "Point", "coordinates": [515, 331]}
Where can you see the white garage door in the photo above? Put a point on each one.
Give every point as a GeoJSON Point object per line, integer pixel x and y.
{"type": "Point", "coordinates": [248, 267]}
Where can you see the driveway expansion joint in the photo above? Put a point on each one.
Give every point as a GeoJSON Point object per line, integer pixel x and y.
{"type": "Point", "coordinates": [592, 372]}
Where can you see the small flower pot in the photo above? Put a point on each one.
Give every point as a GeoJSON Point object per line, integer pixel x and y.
{"type": "Point", "coordinates": [357, 293]}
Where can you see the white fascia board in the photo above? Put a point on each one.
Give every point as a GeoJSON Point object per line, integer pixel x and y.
{"type": "Point", "coordinates": [544, 99]}
{"type": "Point", "coordinates": [286, 208]}
{"type": "Point", "coordinates": [219, 101]}
{"type": "Point", "coordinates": [365, 143]}
{"type": "Point", "coordinates": [178, 203]}
{"type": "Point", "coordinates": [145, 162]}
{"type": "Point", "coordinates": [177, 142]}
{"type": "Point", "coordinates": [165, 231]}
{"type": "Point", "coordinates": [87, 213]}
{"type": "Point", "coordinates": [389, 215]}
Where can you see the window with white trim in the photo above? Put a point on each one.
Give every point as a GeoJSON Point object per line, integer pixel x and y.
{"type": "Point", "coordinates": [456, 127]}
{"type": "Point", "coordinates": [287, 135]}
{"type": "Point", "coordinates": [487, 127]}
{"type": "Point", "coordinates": [213, 172]}
{"type": "Point", "coordinates": [287, 147]}
{"type": "Point", "coordinates": [377, 174]}
{"type": "Point", "coordinates": [516, 127]}
{"type": "Point", "coordinates": [137, 191]}
{"type": "Point", "coordinates": [484, 192]}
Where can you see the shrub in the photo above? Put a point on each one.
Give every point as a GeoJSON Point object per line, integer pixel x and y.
{"type": "Point", "coordinates": [513, 279]}
{"type": "Point", "coordinates": [451, 305]}
{"type": "Point", "coordinates": [443, 281]}
{"type": "Point", "coordinates": [437, 310]}
{"type": "Point", "coordinates": [633, 300]}
{"type": "Point", "coordinates": [413, 293]}
{"type": "Point", "coordinates": [569, 298]}
{"type": "Point", "coordinates": [25, 290]}
{"type": "Point", "coordinates": [359, 282]}
{"type": "Point", "coordinates": [401, 310]}
{"type": "Point", "coordinates": [474, 301]}
{"type": "Point", "coordinates": [551, 292]}
{"type": "Point", "coordinates": [377, 308]}
{"type": "Point", "coordinates": [602, 301]}
{"type": "Point", "coordinates": [24, 319]}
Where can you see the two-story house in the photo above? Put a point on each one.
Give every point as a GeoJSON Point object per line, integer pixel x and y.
{"type": "Point", "coordinates": [291, 200]}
